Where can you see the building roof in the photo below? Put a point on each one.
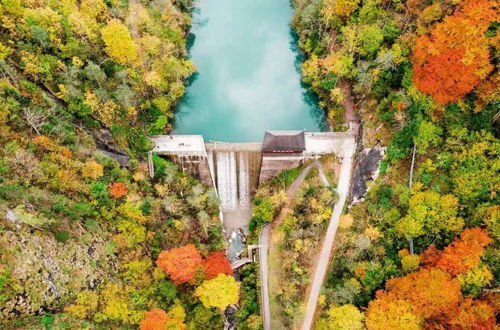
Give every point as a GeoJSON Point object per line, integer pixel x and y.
{"type": "Point", "coordinates": [284, 141]}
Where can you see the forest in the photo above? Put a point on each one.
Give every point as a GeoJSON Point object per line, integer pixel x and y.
{"type": "Point", "coordinates": [421, 251]}
{"type": "Point", "coordinates": [89, 240]}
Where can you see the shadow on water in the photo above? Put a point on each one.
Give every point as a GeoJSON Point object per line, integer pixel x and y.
{"type": "Point", "coordinates": [191, 38]}
{"type": "Point", "coordinates": [186, 98]}
{"type": "Point", "coordinates": [309, 97]}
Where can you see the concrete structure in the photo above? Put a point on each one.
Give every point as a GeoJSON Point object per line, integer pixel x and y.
{"type": "Point", "coordinates": [284, 142]}
{"type": "Point", "coordinates": [236, 169]}
{"type": "Point", "coordinates": [315, 145]}
{"type": "Point", "coordinates": [187, 151]}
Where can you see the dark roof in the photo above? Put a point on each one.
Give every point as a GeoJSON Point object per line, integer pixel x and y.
{"type": "Point", "coordinates": [284, 141]}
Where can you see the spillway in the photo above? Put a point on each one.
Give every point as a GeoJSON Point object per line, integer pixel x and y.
{"type": "Point", "coordinates": [236, 169]}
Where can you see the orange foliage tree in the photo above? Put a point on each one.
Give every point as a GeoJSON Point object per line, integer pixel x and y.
{"type": "Point", "coordinates": [427, 294]}
{"type": "Point", "coordinates": [454, 58]}
{"type": "Point", "coordinates": [385, 314]}
{"type": "Point", "coordinates": [472, 314]}
{"type": "Point", "coordinates": [431, 297]}
{"type": "Point", "coordinates": [118, 190]}
{"type": "Point", "coordinates": [461, 255]}
{"type": "Point", "coordinates": [215, 264]}
{"type": "Point", "coordinates": [430, 291]}
{"type": "Point", "coordinates": [180, 263]}
{"type": "Point", "coordinates": [155, 319]}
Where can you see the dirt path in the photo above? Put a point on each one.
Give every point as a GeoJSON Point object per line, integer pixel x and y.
{"type": "Point", "coordinates": [326, 250]}
{"type": "Point", "coordinates": [322, 175]}
{"type": "Point", "coordinates": [350, 117]}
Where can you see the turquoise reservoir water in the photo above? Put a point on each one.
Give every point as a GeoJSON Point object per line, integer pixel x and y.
{"type": "Point", "coordinates": [248, 77]}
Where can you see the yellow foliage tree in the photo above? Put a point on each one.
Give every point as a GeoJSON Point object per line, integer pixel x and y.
{"type": "Point", "coordinates": [116, 305]}
{"type": "Point", "coordinates": [392, 314]}
{"type": "Point", "coordinates": [119, 44]}
{"type": "Point", "coordinates": [85, 304]}
{"type": "Point", "coordinates": [341, 8]}
{"type": "Point", "coordinates": [345, 317]}
{"type": "Point", "coordinates": [219, 292]}
{"type": "Point", "coordinates": [410, 263]}
{"type": "Point", "coordinates": [92, 170]}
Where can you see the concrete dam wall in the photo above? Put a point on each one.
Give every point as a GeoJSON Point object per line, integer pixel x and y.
{"type": "Point", "coordinates": [236, 169]}
{"type": "Point", "coordinates": [235, 172]}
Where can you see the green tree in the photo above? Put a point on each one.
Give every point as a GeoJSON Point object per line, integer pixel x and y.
{"type": "Point", "coordinates": [432, 214]}
{"type": "Point", "coordinates": [370, 39]}
{"type": "Point", "coordinates": [428, 135]}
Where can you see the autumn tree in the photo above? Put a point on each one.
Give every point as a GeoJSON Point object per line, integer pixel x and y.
{"type": "Point", "coordinates": [155, 319]}
{"type": "Point", "coordinates": [86, 303]}
{"type": "Point", "coordinates": [428, 136]}
{"type": "Point", "coordinates": [92, 170]}
{"type": "Point", "coordinates": [217, 263]}
{"type": "Point", "coordinates": [340, 8]}
{"type": "Point", "coordinates": [474, 168]}
{"type": "Point", "coordinates": [461, 255]}
{"type": "Point", "coordinates": [180, 263]}
{"type": "Point", "coordinates": [346, 317]}
{"type": "Point", "coordinates": [430, 213]}
{"type": "Point", "coordinates": [472, 314]}
{"type": "Point", "coordinates": [451, 61]}
{"type": "Point", "coordinates": [410, 300]}
{"type": "Point", "coordinates": [219, 292]}
{"type": "Point", "coordinates": [119, 44]}
{"type": "Point", "coordinates": [475, 279]}
{"type": "Point", "coordinates": [158, 319]}
{"type": "Point", "coordinates": [385, 314]}
{"type": "Point", "coordinates": [118, 190]}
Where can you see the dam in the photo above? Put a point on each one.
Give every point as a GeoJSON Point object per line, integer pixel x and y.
{"type": "Point", "coordinates": [235, 170]}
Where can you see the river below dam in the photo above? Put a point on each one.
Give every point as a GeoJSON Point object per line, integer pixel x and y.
{"type": "Point", "coordinates": [248, 73]}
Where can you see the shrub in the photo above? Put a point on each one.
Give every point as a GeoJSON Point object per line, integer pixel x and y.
{"type": "Point", "coordinates": [85, 304]}
{"type": "Point", "coordinates": [118, 190]}
{"type": "Point", "coordinates": [62, 236]}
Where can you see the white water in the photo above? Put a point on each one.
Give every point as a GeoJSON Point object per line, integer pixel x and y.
{"type": "Point", "coordinates": [233, 181]}
{"type": "Point", "coordinates": [227, 184]}
{"type": "Point", "coordinates": [244, 181]}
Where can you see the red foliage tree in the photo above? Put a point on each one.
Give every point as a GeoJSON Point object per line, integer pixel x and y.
{"type": "Point", "coordinates": [446, 77]}
{"type": "Point", "coordinates": [454, 58]}
{"type": "Point", "coordinates": [118, 190]}
{"type": "Point", "coordinates": [461, 255]}
{"type": "Point", "coordinates": [180, 263]}
{"type": "Point", "coordinates": [215, 264]}
{"type": "Point", "coordinates": [155, 319]}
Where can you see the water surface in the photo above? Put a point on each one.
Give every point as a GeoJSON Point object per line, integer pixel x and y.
{"type": "Point", "coordinates": [248, 78]}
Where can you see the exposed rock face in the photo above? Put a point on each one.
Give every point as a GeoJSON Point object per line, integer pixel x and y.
{"type": "Point", "coordinates": [367, 169]}
{"type": "Point", "coordinates": [105, 144]}
{"type": "Point", "coordinates": [48, 274]}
